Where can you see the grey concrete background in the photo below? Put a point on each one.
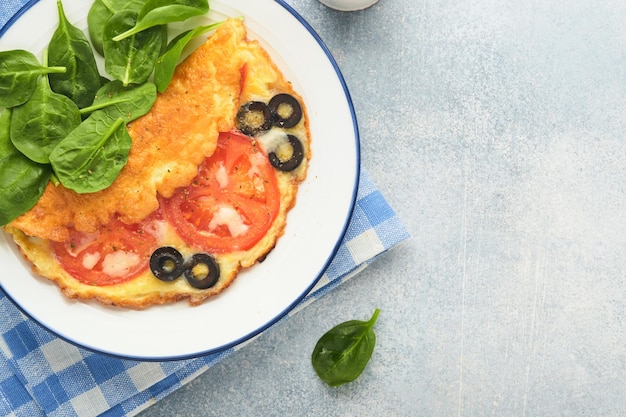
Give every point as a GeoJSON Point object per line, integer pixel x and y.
{"type": "Point", "coordinates": [496, 131]}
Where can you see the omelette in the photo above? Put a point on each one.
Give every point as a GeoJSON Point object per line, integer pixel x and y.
{"type": "Point", "coordinates": [213, 170]}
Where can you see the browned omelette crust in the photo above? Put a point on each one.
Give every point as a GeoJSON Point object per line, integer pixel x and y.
{"type": "Point", "coordinates": [169, 143]}
{"type": "Point", "coordinates": [257, 78]}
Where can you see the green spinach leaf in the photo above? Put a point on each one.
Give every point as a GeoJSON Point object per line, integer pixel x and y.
{"type": "Point", "coordinates": [70, 48]}
{"type": "Point", "coordinates": [342, 353]}
{"type": "Point", "coordinates": [166, 64]}
{"type": "Point", "coordinates": [22, 181]}
{"type": "Point", "coordinates": [162, 12]}
{"type": "Point", "coordinates": [38, 125]}
{"type": "Point", "coordinates": [19, 71]}
{"type": "Point", "coordinates": [131, 60]}
{"type": "Point", "coordinates": [91, 157]}
{"type": "Point", "coordinates": [99, 14]}
{"type": "Point", "coordinates": [128, 103]}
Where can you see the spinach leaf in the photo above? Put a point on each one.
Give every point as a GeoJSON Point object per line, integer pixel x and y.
{"type": "Point", "coordinates": [22, 181]}
{"type": "Point", "coordinates": [91, 157]}
{"type": "Point", "coordinates": [166, 64]}
{"type": "Point", "coordinates": [19, 71]}
{"type": "Point", "coordinates": [161, 12]}
{"type": "Point", "coordinates": [38, 125]}
{"type": "Point", "coordinates": [70, 48]}
{"type": "Point", "coordinates": [342, 353]}
{"type": "Point", "coordinates": [99, 14]}
{"type": "Point", "coordinates": [128, 103]}
{"type": "Point", "coordinates": [131, 60]}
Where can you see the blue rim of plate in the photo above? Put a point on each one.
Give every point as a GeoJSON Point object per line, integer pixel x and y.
{"type": "Point", "coordinates": [17, 15]}
{"type": "Point", "coordinates": [331, 256]}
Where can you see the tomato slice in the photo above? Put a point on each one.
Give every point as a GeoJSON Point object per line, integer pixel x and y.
{"type": "Point", "coordinates": [233, 200]}
{"type": "Point", "coordinates": [116, 253]}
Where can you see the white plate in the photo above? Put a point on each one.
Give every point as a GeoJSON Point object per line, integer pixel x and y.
{"type": "Point", "coordinates": [261, 295]}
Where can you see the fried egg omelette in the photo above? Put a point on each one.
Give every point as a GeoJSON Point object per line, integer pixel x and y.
{"type": "Point", "coordinates": [213, 170]}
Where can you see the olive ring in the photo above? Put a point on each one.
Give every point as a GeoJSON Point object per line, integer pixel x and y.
{"type": "Point", "coordinates": [207, 278]}
{"type": "Point", "coordinates": [167, 264]}
{"type": "Point", "coordinates": [297, 156]}
{"type": "Point", "coordinates": [294, 114]}
{"type": "Point", "coordinates": [254, 117]}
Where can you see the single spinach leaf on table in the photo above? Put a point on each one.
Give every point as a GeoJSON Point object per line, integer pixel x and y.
{"type": "Point", "coordinates": [131, 60]}
{"type": "Point", "coordinates": [38, 125]}
{"type": "Point", "coordinates": [166, 64]}
{"type": "Point", "coordinates": [22, 181]}
{"type": "Point", "coordinates": [99, 14]}
{"type": "Point", "coordinates": [128, 103]}
{"type": "Point", "coordinates": [70, 48]}
{"type": "Point", "coordinates": [91, 157]}
{"type": "Point", "coordinates": [162, 12]}
{"type": "Point", "coordinates": [19, 71]}
{"type": "Point", "coordinates": [342, 353]}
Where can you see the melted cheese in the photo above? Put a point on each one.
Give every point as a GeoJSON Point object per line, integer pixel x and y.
{"type": "Point", "coordinates": [257, 160]}
{"type": "Point", "coordinates": [222, 176]}
{"type": "Point", "coordinates": [157, 228]}
{"type": "Point", "coordinates": [119, 263]}
{"type": "Point", "coordinates": [90, 260]}
{"type": "Point", "coordinates": [79, 245]}
{"type": "Point", "coordinates": [229, 217]}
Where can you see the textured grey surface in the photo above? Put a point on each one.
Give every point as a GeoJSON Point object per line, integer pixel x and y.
{"type": "Point", "coordinates": [496, 130]}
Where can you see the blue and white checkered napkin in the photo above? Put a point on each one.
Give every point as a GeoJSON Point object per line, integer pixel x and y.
{"type": "Point", "coordinates": [41, 374]}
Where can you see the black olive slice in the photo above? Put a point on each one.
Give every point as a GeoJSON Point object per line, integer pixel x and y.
{"type": "Point", "coordinates": [202, 271]}
{"type": "Point", "coordinates": [286, 110]}
{"type": "Point", "coordinates": [253, 118]}
{"type": "Point", "coordinates": [166, 263]}
{"type": "Point", "coordinates": [297, 156]}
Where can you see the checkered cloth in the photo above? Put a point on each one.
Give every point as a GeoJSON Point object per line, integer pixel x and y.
{"type": "Point", "coordinates": [42, 375]}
